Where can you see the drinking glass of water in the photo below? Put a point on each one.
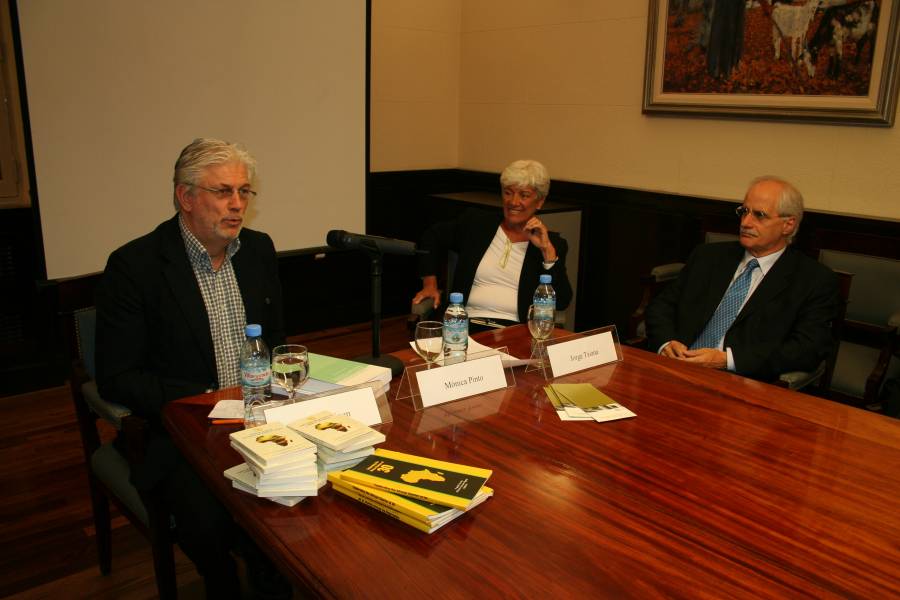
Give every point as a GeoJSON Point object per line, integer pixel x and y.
{"type": "Point", "coordinates": [541, 321]}
{"type": "Point", "coordinates": [290, 367]}
{"type": "Point", "coordinates": [430, 340]}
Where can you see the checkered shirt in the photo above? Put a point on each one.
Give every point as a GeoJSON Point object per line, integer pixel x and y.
{"type": "Point", "coordinates": [224, 305]}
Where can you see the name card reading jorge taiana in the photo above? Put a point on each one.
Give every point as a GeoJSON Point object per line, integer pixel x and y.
{"type": "Point", "coordinates": [586, 355]}
{"type": "Point", "coordinates": [582, 353]}
{"type": "Point", "coordinates": [463, 379]}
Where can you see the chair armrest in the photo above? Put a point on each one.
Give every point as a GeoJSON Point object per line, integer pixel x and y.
{"type": "Point", "coordinates": [636, 318]}
{"type": "Point", "coordinates": [894, 320]}
{"type": "Point", "coordinates": [797, 380]}
{"type": "Point", "coordinates": [108, 411]}
{"type": "Point", "coordinates": [638, 341]}
{"type": "Point", "coordinates": [423, 309]}
{"type": "Point", "coordinates": [417, 313]}
{"type": "Point", "coordinates": [667, 271]}
{"type": "Point", "coordinates": [879, 372]}
{"type": "Point", "coordinates": [650, 285]}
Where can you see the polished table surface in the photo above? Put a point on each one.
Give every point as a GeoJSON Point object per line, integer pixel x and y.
{"type": "Point", "coordinates": [721, 487]}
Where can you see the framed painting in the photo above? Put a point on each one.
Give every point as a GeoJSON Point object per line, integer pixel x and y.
{"type": "Point", "coordinates": [825, 61]}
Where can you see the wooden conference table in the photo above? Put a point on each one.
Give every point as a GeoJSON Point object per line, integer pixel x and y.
{"type": "Point", "coordinates": [721, 487]}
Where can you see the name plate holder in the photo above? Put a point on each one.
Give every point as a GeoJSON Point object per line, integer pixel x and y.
{"type": "Point", "coordinates": [365, 402]}
{"type": "Point", "coordinates": [579, 352]}
{"type": "Point", "coordinates": [479, 373]}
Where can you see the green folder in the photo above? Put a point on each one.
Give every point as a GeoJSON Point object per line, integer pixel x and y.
{"type": "Point", "coordinates": [582, 395]}
{"type": "Point", "coordinates": [331, 369]}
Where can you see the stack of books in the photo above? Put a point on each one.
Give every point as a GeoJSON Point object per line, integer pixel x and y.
{"type": "Point", "coordinates": [421, 492]}
{"type": "Point", "coordinates": [342, 372]}
{"type": "Point", "coordinates": [280, 464]}
{"type": "Point", "coordinates": [342, 441]}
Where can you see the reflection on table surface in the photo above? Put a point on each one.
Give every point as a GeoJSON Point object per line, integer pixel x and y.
{"type": "Point", "coordinates": [721, 486]}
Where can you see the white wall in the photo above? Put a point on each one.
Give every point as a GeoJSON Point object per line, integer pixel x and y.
{"type": "Point", "coordinates": [415, 84]}
{"type": "Point", "coordinates": [562, 82]}
{"type": "Point", "coordinates": [117, 89]}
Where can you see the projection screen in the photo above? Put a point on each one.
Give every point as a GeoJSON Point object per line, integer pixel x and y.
{"type": "Point", "coordinates": [116, 89]}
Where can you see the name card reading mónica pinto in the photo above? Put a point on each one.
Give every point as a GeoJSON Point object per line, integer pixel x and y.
{"type": "Point", "coordinates": [582, 353]}
{"type": "Point", "coordinates": [461, 380]}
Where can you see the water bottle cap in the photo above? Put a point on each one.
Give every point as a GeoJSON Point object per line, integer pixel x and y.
{"type": "Point", "coordinates": [253, 330]}
{"type": "Point", "coordinates": [545, 278]}
{"type": "Point", "coordinates": [456, 298]}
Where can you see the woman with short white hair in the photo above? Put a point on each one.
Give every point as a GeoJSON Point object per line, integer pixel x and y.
{"type": "Point", "coordinates": [499, 259]}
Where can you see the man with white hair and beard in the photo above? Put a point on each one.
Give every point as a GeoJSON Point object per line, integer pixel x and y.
{"type": "Point", "coordinates": [171, 311]}
{"type": "Point", "coordinates": [757, 307]}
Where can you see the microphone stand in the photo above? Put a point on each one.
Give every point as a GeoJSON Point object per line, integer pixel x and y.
{"type": "Point", "coordinates": [376, 358]}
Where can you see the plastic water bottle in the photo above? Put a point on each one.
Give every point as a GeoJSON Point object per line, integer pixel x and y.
{"type": "Point", "coordinates": [256, 373]}
{"type": "Point", "coordinates": [544, 308]}
{"type": "Point", "coordinates": [456, 330]}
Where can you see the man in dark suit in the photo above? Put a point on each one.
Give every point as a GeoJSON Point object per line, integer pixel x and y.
{"type": "Point", "coordinates": [171, 311]}
{"type": "Point", "coordinates": [757, 307]}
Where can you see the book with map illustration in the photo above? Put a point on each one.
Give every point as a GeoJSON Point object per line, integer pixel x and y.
{"type": "Point", "coordinates": [414, 508]}
{"type": "Point", "coordinates": [328, 457]}
{"type": "Point", "coordinates": [422, 515]}
{"type": "Point", "coordinates": [271, 445]}
{"type": "Point", "coordinates": [243, 479]}
{"type": "Point", "coordinates": [288, 463]}
{"type": "Point", "coordinates": [339, 433]}
{"type": "Point", "coordinates": [436, 481]}
{"type": "Point", "coordinates": [288, 472]}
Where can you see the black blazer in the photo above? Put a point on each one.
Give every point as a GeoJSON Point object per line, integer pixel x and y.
{"type": "Point", "coordinates": [470, 235]}
{"type": "Point", "coordinates": [784, 326]}
{"type": "Point", "coordinates": [153, 338]}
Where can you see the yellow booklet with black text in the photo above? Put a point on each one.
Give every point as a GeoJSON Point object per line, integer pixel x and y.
{"type": "Point", "coordinates": [436, 481]}
{"type": "Point", "coordinates": [412, 507]}
{"type": "Point", "coordinates": [422, 515]}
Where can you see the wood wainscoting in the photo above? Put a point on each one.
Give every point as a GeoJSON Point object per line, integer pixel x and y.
{"type": "Point", "coordinates": [624, 232]}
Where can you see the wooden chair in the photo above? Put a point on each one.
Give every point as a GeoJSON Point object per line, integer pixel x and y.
{"type": "Point", "coordinates": [869, 351]}
{"type": "Point", "coordinates": [822, 375]}
{"type": "Point", "coordinates": [651, 285]}
{"type": "Point", "coordinates": [661, 275]}
{"type": "Point", "coordinates": [108, 463]}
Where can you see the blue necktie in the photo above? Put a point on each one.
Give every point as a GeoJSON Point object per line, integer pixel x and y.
{"type": "Point", "coordinates": [727, 311]}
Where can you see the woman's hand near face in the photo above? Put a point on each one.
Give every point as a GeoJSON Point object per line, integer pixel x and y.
{"type": "Point", "coordinates": [537, 235]}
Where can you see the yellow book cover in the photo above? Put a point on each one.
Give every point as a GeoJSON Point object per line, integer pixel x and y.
{"type": "Point", "coordinates": [412, 507]}
{"type": "Point", "coordinates": [355, 495]}
{"type": "Point", "coordinates": [428, 526]}
{"type": "Point", "coordinates": [436, 481]}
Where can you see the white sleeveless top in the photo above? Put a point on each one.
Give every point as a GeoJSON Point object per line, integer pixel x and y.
{"type": "Point", "coordinates": [495, 290]}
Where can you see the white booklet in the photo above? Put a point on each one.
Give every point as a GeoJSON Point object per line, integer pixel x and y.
{"type": "Point", "coordinates": [271, 444]}
{"type": "Point", "coordinates": [337, 432]}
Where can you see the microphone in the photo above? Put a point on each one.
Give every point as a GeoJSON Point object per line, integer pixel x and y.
{"type": "Point", "coordinates": [338, 238]}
